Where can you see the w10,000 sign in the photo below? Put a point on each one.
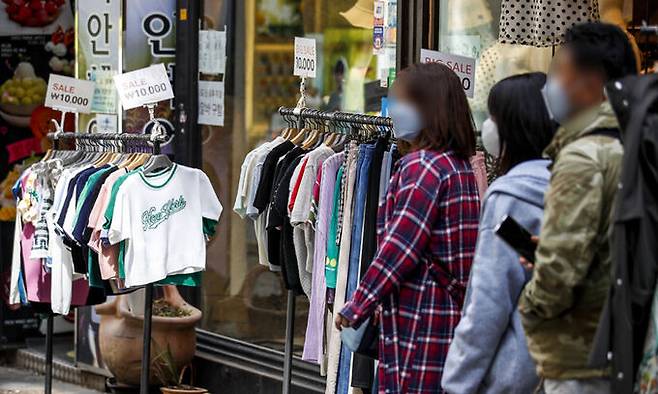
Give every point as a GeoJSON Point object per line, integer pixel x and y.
{"type": "Point", "coordinates": [69, 94]}
{"type": "Point", "coordinates": [144, 86]}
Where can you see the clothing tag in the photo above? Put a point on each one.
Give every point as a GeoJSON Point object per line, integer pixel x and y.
{"type": "Point", "coordinates": [463, 66]}
{"type": "Point", "coordinates": [144, 86]}
{"type": "Point", "coordinates": [69, 94]}
{"type": "Point", "coordinates": [305, 57]}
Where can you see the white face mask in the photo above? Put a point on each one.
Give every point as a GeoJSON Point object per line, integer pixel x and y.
{"type": "Point", "coordinates": [407, 122]}
{"type": "Point", "coordinates": [556, 100]}
{"type": "Point", "coordinates": [491, 138]}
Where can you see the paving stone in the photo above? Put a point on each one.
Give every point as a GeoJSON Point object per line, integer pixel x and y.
{"type": "Point", "coordinates": [17, 381]}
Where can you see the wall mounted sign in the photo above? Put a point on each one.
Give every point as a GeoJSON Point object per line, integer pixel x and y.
{"type": "Point", "coordinates": [463, 66]}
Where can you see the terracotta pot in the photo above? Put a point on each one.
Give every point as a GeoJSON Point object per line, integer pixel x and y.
{"type": "Point", "coordinates": [121, 333]}
{"type": "Point", "coordinates": [190, 390]}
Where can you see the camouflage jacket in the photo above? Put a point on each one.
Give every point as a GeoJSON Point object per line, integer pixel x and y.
{"type": "Point", "coordinates": [560, 306]}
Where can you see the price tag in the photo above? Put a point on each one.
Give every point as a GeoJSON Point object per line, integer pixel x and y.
{"type": "Point", "coordinates": [69, 94]}
{"type": "Point", "coordinates": [305, 57]}
{"type": "Point", "coordinates": [144, 86]}
{"type": "Point", "coordinates": [463, 66]}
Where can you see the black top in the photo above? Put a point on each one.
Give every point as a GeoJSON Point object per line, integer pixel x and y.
{"type": "Point", "coordinates": [276, 215]}
{"type": "Point", "coordinates": [287, 255]}
{"type": "Point", "coordinates": [280, 246]}
{"type": "Point", "coordinates": [264, 190]}
{"type": "Point", "coordinates": [280, 191]}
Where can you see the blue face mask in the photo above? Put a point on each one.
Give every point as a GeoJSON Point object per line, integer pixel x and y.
{"type": "Point", "coordinates": [556, 100]}
{"type": "Point", "coordinates": [407, 122]}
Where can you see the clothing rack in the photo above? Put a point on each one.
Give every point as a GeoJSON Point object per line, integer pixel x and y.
{"type": "Point", "coordinates": [98, 139]}
{"type": "Point", "coordinates": [338, 118]}
{"type": "Point", "coordinates": [351, 122]}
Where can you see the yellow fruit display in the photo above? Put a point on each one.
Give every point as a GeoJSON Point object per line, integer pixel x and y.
{"type": "Point", "coordinates": [24, 89]}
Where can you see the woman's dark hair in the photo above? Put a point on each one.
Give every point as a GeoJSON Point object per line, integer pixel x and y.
{"type": "Point", "coordinates": [438, 94]}
{"type": "Point", "coordinates": [524, 126]}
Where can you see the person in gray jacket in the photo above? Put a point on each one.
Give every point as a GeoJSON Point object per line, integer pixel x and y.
{"type": "Point", "coordinates": [488, 353]}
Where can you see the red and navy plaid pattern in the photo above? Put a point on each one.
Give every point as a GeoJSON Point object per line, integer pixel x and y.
{"type": "Point", "coordinates": [428, 229]}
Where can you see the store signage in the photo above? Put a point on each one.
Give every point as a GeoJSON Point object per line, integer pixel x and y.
{"type": "Point", "coordinates": [149, 38]}
{"type": "Point", "coordinates": [212, 52]}
{"type": "Point", "coordinates": [105, 95]}
{"type": "Point", "coordinates": [211, 103]}
{"type": "Point", "coordinates": [106, 123]}
{"type": "Point", "coordinates": [463, 66]}
{"type": "Point", "coordinates": [378, 40]}
{"type": "Point", "coordinates": [98, 36]}
{"type": "Point", "coordinates": [143, 86]}
{"type": "Point", "coordinates": [305, 57]}
{"type": "Point", "coordinates": [69, 94]}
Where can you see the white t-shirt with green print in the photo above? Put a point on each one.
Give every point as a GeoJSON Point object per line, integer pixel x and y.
{"type": "Point", "coordinates": [161, 218]}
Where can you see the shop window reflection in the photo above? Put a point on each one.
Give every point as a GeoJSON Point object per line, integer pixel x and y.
{"type": "Point", "coordinates": [240, 298]}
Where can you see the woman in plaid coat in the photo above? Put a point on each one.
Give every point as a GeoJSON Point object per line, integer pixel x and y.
{"type": "Point", "coordinates": [427, 241]}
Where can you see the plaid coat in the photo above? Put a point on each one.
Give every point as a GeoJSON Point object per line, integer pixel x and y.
{"type": "Point", "coordinates": [419, 274]}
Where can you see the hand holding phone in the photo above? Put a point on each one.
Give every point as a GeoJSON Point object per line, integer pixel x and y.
{"type": "Point", "coordinates": [517, 237]}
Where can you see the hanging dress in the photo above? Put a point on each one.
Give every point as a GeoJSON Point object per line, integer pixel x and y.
{"type": "Point", "coordinates": [543, 23]}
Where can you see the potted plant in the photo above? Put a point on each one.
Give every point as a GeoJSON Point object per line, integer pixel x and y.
{"type": "Point", "coordinates": [171, 374]}
{"type": "Point", "coordinates": [121, 333]}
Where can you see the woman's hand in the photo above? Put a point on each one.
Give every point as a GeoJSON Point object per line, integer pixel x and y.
{"type": "Point", "coordinates": [341, 322]}
{"type": "Point", "coordinates": [525, 263]}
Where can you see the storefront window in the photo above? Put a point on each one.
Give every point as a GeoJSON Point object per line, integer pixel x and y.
{"type": "Point", "coordinates": [508, 37]}
{"type": "Point", "coordinates": [240, 298]}
{"type": "Point", "coordinates": [471, 28]}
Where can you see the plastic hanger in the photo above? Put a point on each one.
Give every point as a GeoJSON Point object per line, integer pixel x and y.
{"type": "Point", "coordinates": [311, 140]}
{"type": "Point", "coordinates": [300, 136]}
{"type": "Point", "coordinates": [157, 162]}
{"type": "Point", "coordinates": [139, 160]}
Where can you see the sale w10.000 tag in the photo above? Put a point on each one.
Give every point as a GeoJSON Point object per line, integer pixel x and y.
{"type": "Point", "coordinates": [144, 86]}
{"type": "Point", "coordinates": [69, 94]}
{"type": "Point", "coordinates": [305, 57]}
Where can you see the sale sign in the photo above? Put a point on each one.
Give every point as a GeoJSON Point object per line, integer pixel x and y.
{"type": "Point", "coordinates": [144, 86]}
{"type": "Point", "coordinates": [305, 57]}
{"type": "Point", "coordinates": [463, 66]}
{"type": "Point", "coordinates": [69, 94]}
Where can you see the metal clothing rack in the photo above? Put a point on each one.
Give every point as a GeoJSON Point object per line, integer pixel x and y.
{"type": "Point", "coordinates": [350, 122]}
{"type": "Point", "coordinates": [153, 140]}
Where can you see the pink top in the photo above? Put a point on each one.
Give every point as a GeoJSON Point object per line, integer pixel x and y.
{"type": "Point", "coordinates": [480, 170]}
{"type": "Point", "coordinates": [37, 280]}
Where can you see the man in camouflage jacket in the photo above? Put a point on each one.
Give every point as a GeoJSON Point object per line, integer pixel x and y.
{"type": "Point", "coordinates": [561, 305]}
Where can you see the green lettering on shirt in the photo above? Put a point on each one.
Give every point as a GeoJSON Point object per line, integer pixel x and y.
{"type": "Point", "coordinates": [152, 217]}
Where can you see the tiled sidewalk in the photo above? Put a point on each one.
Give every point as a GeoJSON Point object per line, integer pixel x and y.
{"type": "Point", "coordinates": [17, 381]}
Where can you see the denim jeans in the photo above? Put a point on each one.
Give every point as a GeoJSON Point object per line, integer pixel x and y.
{"type": "Point", "coordinates": [362, 173]}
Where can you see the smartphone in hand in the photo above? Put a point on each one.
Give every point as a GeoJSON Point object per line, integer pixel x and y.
{"type": "Point", "coordinates": [517, 237]}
